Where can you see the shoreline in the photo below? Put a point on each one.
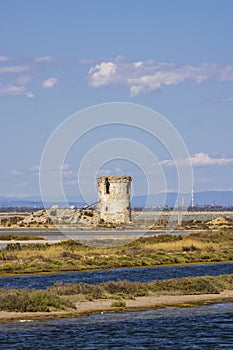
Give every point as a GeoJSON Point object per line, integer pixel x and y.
{"type": "Point", "coordinates": [114, 268]}
{"type": "Point", "coordinates": [101, 306]}
{"type": "Point", "coordinates": [64, 230]}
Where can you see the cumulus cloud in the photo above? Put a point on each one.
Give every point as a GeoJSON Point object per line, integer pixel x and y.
{"type": "Point", "coordinates": [103, 74]}
{"type": "Point", "coordinates": [50, 83]}
{"type": "Point", "coordinates": [45, 59]}
{"type": "Point", "coordinates": [203, 159]}
{"type": "Point", "coordinates": [199, 159]}
{"type": "Point", "coordinates": [148, 76]}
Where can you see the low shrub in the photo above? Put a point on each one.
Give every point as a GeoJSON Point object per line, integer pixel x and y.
{"type": "Point", "coordinates": [118, 303]}
{"type": "Point", "coordinates": [10, 236]}
{"type": "Point", "coordinates": [26, 300]}
{"type": "Point", "coordinates": [12, 247]}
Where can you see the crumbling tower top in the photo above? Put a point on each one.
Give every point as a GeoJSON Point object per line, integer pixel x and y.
{"type": "Point", "coordinates": [114, 198]}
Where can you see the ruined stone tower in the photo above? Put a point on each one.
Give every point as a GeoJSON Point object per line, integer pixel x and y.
{"type": "Point", "coordinates": [114, 198]}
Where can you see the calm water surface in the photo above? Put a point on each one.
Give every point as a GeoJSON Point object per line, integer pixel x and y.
{"type": "Point", "coordinates": [204, 327]}
{"type": "Point", "coordinates": [130, 274]}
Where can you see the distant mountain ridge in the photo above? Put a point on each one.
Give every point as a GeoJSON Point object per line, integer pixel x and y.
{"type": "Point", "coordinates": [214, 198]}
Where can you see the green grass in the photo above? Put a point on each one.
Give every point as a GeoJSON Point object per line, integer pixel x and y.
{"type": "Point", "coordinates": [126, 289]}
{"type": "Point", "coordinates": [164, 249]}
{"type": "Point", "coordinates": [118, 303]}
{"type": "Point", "coordinates": [63, 296]}
{"type": "Point", "coordinates": [26, 300]}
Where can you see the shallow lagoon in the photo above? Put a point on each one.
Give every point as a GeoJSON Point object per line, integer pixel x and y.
{"type": "Point", "coordinates": [42, 281]}
{"type": "Point", "coordinates": [202, 327]}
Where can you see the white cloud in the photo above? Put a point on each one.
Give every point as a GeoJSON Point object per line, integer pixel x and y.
{"type": "Point", "coordinates": [102, 74]}
{"type": "Point", "coordinates": [63, 169]}
{"type": "Point", "coordinates": [71, 182]}
{"type": "Point", "coordinates": [147, 76]}
{"type": "Point", "coordinates": [18, 195]}
{"type": "Point", "coordinates": [138, 64]}
{"type": "Point", "coordinates": [15, 173]}
{"type": "Point", "coordinates": [64, 166]}
{"type": "Point", "coordinates": [4, 58]}
{"type": "Point", "coordinates": [24, 79]}
{"type": "Point", "coordinates": [14, 69]}
{"type": "Point", "coordinates": [45, 59]}
{"type": "Point", "coordinates": [34, 169]}
{"type": "Point", "coordinates": [66, 171]}
{"type": "Point", "coordinates": [198, 159]}
{"type": "Point", "coordinates": [29, 94]}
{"type": "Point", "coordinates": [104, 172]}
{"type": "Point", "coordinates": [69, 173]}
{"type": "Point", "coordinates": [203, 159]}
{"type": "Point", "coordinates": [12, 90]}
{"type": "Point", "coordinates": [226, 74]}
{"type": "Point", "coordinates": [15, 90]}
{"type": "Point", "coordinates": [227, 99]}
{"type": "Point", "coordinates": [50, 83]}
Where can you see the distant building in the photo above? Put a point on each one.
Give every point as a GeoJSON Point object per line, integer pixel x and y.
{"type": "Point", "coordinates": [114, 198]}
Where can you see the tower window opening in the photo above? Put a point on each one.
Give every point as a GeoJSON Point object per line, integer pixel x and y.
{"type": "Point", "coordinates": [107, 186]}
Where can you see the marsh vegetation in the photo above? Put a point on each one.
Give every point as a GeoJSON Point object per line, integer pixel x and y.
{"type": "Point", "coordinates": [207, 246]}
{"type": "Point", "coordinates": [65, 296]}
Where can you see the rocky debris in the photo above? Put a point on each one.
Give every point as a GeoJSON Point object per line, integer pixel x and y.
{"type": "Point", "coordinates": [220, 222]}
{"type": "Point", "coordinates": [61, 217]}
{"type": "Point", "coordinates": [38, 218]}
{"type": "Point", "coordinates": [11, 220]}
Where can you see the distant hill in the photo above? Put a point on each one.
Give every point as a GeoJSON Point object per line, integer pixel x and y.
{"type": "Point", "coordinates": [214, 198]}
{"type": "Point", "coordinates": [222, 198]}
{"type": "Point", "coordinates": [6, 202]}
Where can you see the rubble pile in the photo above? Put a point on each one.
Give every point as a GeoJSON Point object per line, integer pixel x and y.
{"type": "Point", "coordinates": [12, 220]}
{"type": "Point", "coordinates": [59, 216]}
{"type": "Point", "coordinates": [220, 222]}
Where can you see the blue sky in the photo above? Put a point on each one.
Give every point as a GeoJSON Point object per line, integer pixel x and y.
{"type": "Point", "coordinates": [58, 57]}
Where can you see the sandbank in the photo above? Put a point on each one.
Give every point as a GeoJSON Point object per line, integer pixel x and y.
{"type": "Point", "coordinates": [137, 304]}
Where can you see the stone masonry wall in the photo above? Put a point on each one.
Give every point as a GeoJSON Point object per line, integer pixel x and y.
{"type": "Point", "coordinates": [114, 198]}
